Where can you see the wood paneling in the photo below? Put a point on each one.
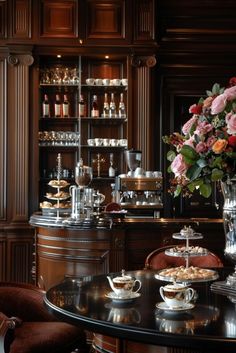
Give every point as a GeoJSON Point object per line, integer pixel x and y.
{"type": "Point", "coordinates": [19, 255]}
{"type": "Point", "coordinates": [105, 19]}
{"type": "Point", "coordinates": [21, 19]}
{"type": "Point", "coordinates": [59, 19]}
{"type": "Point", "coordinates": [3, 19]}
{"type": "Point", "coordinates": [3, 242]}
{"type": "Point", "coordinates": [3, 140]}
{"type": "Point", "coordinates": [144, 29]}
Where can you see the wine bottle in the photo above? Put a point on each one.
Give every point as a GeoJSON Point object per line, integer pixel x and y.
{"type": "Point", "coordinates": [111, 170]}
{"type": "Point", "coordinates": [122, 112]}
{"type": "Point", "coordinates": [82, 107]}
{"type": "Point", "coordinates": [65, 107]}
{"type": "Point", "coordinates": [112, 109]}
{"type": "Point", "coordinates": [46, 112]}
{"type": "Point", "coordinates": [57, 106]}
{"type": "Point", "coordinates": [95, 110]}
{"type": "Point", "coordinates": [105, 107]}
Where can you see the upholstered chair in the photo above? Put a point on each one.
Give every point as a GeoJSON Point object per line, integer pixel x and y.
{"type": "Point", "coordinates": [26, 326]}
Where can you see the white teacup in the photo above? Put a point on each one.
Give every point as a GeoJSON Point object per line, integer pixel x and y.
{"type": "Point", "coordinates": [124, 81]}
{"type": "Point", "coordinates": [176, 295]}
{"type": "Point", "coordinates": [106, 81]}
{"type": "Point", "coordinates": [90, 81]}
{"type": "Point", "coordinates": [98, 81]}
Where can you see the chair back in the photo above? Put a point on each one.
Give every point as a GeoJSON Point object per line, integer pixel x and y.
{"type": "Point", "coordinates": [158, 260]}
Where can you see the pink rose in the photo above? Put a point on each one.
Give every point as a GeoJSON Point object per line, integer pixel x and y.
{"type": "Point", "coordinates": [187, 126]}
{"type": "Point", "coordinates": [201, 147]}
{"type": "Point", "coordinates": [190, 142]}
{"type": "Point", "coordinates": [230, 119]}
{"type": "Point", "coordinates": [203, 128]}
{"type": "Point", "coordinates": [218, 104]}
{"type": "Point", "coordinates": [210, 141]}
{"type": "Point", "coordinates": [178, 166]}
{"type": "Point", "coordinates": [230, 93]}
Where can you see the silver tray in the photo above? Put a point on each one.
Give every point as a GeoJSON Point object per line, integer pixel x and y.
{"type": "Point", "coordinates": [185, 253]}
{"type": "Point", "coordinates": [189, 237]}
{"type": "Point", "coordinates": [213, 277]}
{"type": "Point", "coordinates": [58, 198]}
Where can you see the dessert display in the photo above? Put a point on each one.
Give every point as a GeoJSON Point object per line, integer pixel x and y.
{"type": "Point", "coordinates": [185, 251]}
{"type": "Point", "coordinates": [59, 196]}
{"type": "Point", "coordinates": [182, 273]}
{"type": "Point", "coordinates": [58, 183]}
{"type": "Point", "coordinates": [186, 273]}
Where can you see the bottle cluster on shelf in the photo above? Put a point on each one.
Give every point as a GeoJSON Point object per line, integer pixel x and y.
{"type": "Point", "coordinates": [59, 107]}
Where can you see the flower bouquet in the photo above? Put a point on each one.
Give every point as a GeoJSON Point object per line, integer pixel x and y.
{"type": "Point", "coordinates": [205, 151]}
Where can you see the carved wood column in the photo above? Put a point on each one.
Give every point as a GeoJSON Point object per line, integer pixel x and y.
{"type": "Point", "coordinates": [3, 138]}
{"type": "Point", "coordinates": [18, 135]}
{"type": "Point", "coordinates": [142, 107]}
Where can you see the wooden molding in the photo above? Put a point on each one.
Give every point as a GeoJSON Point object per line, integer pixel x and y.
{"type": "Point", "coordinates": [148, 61]}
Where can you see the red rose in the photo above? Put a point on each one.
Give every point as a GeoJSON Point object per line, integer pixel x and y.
{"type": "Point", "coordinates": [195, 109]}
{"type": "Point", "coordinates": [232, 141]}
{"type": "Point", "coordinates": [232, 81]}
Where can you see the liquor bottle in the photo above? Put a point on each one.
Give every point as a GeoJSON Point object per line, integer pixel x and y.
{"type": "Point", "coordinates": [82, 107]}
{"type": "Point", "coordinates": [94, 110]}
{"type": "Point", "coordinates": [46, 112]}
{"type": "Point", "coordinates": [57, 106]}
{"type": "Point", "coordinates": [111, 170]}
{"type": "Point", "coordinates": [122, 112]}
{"type": "Point", "coordinates": [112, 109]}
{"type": "Point", "coordinates": [105, 107]}
{"type": "Point", "coordinates": [65, 107]}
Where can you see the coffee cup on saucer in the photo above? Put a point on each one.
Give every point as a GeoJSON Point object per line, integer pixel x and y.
{"type": "Point", "coordinates": [124, 285]}
{"type": "Point", "coordinates": [176, 295]}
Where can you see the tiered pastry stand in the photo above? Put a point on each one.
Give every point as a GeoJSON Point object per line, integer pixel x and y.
{"type": "Point", "coordinates": [187, 234]}
{"type": "Point", "coordinates": [58, 184]}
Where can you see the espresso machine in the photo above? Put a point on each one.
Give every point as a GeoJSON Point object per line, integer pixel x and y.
{"type": "Point", "coordinates": [140, 190]}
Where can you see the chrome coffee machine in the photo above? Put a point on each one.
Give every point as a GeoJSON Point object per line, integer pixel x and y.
{"type": "Point", "coordinates": [140, 190]}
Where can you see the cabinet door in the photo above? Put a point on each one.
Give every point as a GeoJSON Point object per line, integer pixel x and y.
{"type": "Point", "coordinates": [59, 19]}
{"type": "Point", "coordinates": [106, 20]}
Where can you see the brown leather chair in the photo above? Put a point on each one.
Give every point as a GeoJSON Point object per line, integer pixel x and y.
{"type": "Point", "coordinates": [158, 260]}
{"type": "Point", "coordinates": [26, 326]}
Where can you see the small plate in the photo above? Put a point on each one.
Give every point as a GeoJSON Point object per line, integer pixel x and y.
{"type": "Point", "coordinates": [164, 306]}
{"type": "Point", "coordinates": [115, 297]}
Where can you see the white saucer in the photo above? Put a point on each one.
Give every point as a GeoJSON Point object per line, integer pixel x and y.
{"type": "Point", "coordinates": [115, 297]}
{"type": "Point", "coordinates": [164, 306]}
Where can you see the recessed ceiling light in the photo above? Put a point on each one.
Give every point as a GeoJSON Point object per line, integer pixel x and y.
{"type": "Point", "coordinates": [59, 56]}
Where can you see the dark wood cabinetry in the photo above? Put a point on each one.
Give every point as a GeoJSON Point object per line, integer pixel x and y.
{"type": "Point", "coordinates": [170, 60]}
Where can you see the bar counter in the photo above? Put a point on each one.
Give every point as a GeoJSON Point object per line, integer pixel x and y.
{"type": "Point", "coordinates": [110, 244]}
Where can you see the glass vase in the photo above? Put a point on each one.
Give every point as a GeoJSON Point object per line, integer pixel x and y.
{"type": "Point", "coordinates": [229, 221]}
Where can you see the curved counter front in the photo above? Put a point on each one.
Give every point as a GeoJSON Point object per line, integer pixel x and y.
{"type": "Point", "coordinates": [65, 250]}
